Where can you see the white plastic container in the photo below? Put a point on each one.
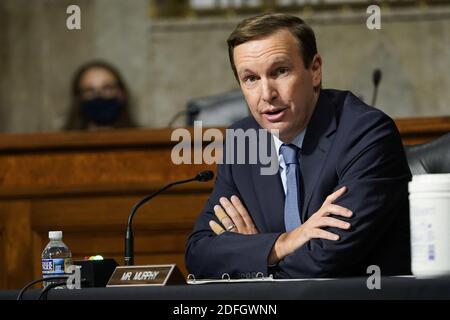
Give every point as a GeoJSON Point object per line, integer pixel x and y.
{"type": "Point", "coordinates": [429, 199]}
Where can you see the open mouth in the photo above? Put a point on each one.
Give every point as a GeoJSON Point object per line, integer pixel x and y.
{"type": "Point", "coordinates": [274, 111]}
{"type": "Point", "coordinates": [274, 115]}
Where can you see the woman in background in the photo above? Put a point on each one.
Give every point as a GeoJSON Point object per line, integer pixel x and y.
{"type": "Point", "coordinates": [100, 99]}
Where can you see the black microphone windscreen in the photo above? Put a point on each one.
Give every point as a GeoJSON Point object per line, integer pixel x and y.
{"type": "Point", "coordinates": [205, 175]}
{"type": "Point", "coordinates": [376, 76]}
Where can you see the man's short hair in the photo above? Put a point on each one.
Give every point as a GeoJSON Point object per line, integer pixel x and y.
{"type": "Point", "coordinates": [265, 25]}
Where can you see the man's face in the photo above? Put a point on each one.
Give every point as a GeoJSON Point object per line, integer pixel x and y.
{"type": "Point", "coordinates": [280, 92]}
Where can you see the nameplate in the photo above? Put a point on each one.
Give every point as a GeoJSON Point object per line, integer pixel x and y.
{"type": "Point", "coordinates": [148, 275]}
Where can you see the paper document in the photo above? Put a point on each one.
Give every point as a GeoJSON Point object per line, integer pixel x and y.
{"type": "Point", "coordinates": [226, 279]}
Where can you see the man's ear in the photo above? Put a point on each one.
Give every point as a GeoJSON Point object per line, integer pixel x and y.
{"type": "Point", "coordinates": [316, 69]}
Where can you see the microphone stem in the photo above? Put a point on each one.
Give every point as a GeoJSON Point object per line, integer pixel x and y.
{"type": "Point", "coordinates": [374, 97]}
{"type": "Point", "coordinates": [129, 238]}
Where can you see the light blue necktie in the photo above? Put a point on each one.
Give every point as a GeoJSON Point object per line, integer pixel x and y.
{"type": "Point", "coordinates": [291, 204]}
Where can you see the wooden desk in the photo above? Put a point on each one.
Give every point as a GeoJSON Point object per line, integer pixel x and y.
{"type": "Point", "coordinates": [86, 183]}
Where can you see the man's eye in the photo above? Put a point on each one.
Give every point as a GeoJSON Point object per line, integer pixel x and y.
{"type": "Point", "coordinates": [281, 71]}
{"type": "Point", "coordinates": [250, 79]}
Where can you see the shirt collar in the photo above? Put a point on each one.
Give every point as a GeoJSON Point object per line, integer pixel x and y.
{"type": "Point", "coordinates": [298, 141]}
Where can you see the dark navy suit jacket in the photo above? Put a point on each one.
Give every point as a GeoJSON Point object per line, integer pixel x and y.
{"type": "Point", "coordinates": [347, 143]}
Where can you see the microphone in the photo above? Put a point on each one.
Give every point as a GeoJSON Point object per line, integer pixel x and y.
{"type": "Point", "coordinates": [376, 78]}
{"type": "Point", "coordinates": [202, 176]}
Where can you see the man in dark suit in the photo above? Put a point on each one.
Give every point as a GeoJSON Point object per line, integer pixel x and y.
{"type": "Point", "coordinates": [339, 201]}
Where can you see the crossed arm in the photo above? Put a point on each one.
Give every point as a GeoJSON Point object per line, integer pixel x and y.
{"type": "Point", "coordinates": [234, 217]}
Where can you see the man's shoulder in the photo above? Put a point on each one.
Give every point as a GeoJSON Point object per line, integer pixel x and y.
{"type": "Point", "coordinates": [350, 108]}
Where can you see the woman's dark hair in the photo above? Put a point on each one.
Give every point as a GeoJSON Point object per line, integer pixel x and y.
{"type": "Point", "coordinates": [76, 119]}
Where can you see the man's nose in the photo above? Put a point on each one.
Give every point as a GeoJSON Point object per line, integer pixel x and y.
{"type": "Point", "coordinates": [269, 91]}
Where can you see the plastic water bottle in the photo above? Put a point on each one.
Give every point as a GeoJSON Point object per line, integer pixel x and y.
{"type": "Point", "coordinates": [56, 258]}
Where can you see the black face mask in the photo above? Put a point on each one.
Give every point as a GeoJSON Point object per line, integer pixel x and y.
{"type": "Point", "coordinates": [102, 111]}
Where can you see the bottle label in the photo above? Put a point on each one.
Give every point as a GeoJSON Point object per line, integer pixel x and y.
{"type": "Point", "coordinates": [55, 267]}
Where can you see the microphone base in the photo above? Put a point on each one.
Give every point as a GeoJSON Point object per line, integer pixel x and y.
{"type": "Point", "coordinates": [129, 261]}
{"type": "Point", "coordinates": [95, 273]}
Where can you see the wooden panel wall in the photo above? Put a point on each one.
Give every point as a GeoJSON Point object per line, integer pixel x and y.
{"type": "Point", "coordinates": [86, 183]}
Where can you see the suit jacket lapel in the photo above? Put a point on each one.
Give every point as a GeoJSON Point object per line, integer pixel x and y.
{"type": "Point", "coordinates": [269, 193]}
{"type": "Point", "coordinates": [317, 141]}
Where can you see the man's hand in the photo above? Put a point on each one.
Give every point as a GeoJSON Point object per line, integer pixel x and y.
{"type": "Point", "coordinates": [288, 242]}
{"type": "Point", "coordinates": [235, 218]}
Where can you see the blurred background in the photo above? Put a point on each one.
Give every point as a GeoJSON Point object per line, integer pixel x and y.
{"type": "Point", "coordinates": [171, 52]}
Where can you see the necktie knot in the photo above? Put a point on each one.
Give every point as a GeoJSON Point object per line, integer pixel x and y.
{"type": "Point", "coordinates": [289, 153]}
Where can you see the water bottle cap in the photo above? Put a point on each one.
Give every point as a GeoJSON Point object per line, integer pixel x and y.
{"type": "Point", "coordinates": [55, 235]}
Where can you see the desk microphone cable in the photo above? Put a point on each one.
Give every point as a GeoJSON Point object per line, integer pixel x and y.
{"type": "Point", "coordinates": [45, 290]}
